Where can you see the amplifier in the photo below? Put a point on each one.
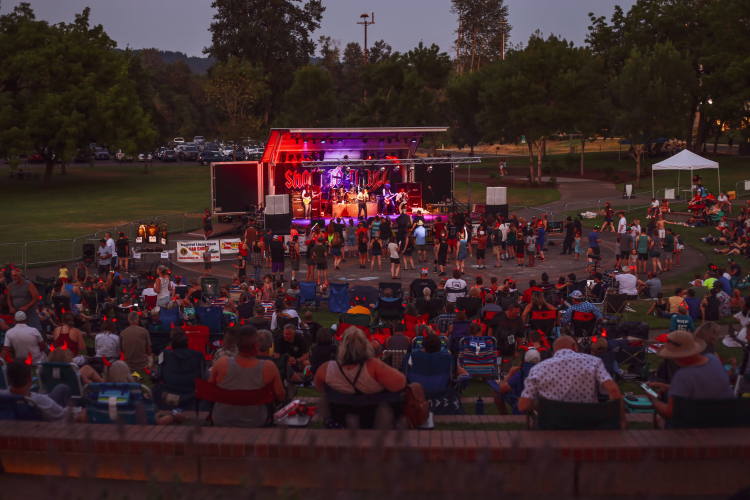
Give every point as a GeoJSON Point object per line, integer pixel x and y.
{"type": "Point", "coordinates": [497, 210]}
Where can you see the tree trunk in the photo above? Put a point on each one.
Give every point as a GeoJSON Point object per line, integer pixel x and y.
{"type": "Point", "coordinates": [473, 46]}
{"type": "Point", "coordinates": [691, 120]}
{"type": "Point", "coordinates": [716, 138]}
{"type": "Point", "coordinates": [700, 133]}
{"type": "Point", "coordinates": [531, 159]}
{"type": "Point", "coordinates": [583, 146]}
{"type": "Point", "coordinates": [64, 168]}
{"type": "Point", "coordinates": [638, 151]}
{"type": "Point", "coordinates": [145, 164]}
{"type": "Point", "coordinates": [544, 149]}
{"type": "Point", "coordinates": [458, 47]}
{"type": "Point", "coordinates": [539, 159]}
{"type": "Point", "coordinates": [50, 166]}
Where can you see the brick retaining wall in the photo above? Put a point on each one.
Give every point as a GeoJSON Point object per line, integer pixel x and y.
{"type": "Point", "coordinates": [695, 462]}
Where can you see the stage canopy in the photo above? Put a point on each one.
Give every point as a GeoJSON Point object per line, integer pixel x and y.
{"type": "Point", "coordinates": [685, 160]}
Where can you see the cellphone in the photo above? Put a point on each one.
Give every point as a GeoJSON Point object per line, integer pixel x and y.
{"type": "Point", "coordinates": [649, 390]}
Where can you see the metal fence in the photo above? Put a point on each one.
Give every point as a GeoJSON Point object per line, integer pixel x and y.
{"type": "Point", "coordinates": [34, 253]}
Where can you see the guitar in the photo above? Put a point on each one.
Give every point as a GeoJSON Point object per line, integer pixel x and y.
{"type": "Point", "coordinates": [388, 198]}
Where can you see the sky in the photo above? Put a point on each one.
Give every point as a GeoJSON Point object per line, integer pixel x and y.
{"type": "Point", "coordinates": [182, 25]}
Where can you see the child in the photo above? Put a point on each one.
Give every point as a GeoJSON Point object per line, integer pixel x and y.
{"type": "Point", "coordinates": [481, 249]}
{"type": "Point", "coordinates": [64, 273]}
{"type": "Point", "coordinates": [577, 249]}
{"type": "Point", "coordinates": [520, 248]}
{"type": "Point", "coordinates": [280, 292]}
{"type": "Point", "coordinates": [493, 287]}
{"type": "Point", "coordinates": [633, 261]}
{"type": "Point", "coordinates": [207, 261]}
{"type": "Point", "coordinates": [660, 306]}
{"type": "Point", "coordinates": [679, 246]}
{"type": "Point", "coordinates": [531, 248]}
{"type": "Point", "coordinates": [240, 266]}
{"type": "Point", "coordinates": [617, 252]}
{"type": "Point", "coordinates": [590, 260]}
{"type": "Point", "coordinates": [267, 294]}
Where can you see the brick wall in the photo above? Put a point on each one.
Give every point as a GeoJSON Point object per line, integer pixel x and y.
{"type": "Point", "coordinates": [696, 462]}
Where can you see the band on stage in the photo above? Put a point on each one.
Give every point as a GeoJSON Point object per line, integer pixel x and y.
{"type": "Point", "coordinates": [340, 201]}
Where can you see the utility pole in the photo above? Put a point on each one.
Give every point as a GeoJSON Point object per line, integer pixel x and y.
{"type": "Point", "coordinates": [366, 23]}
{"type": "Point", "coordinates": [502, 34]}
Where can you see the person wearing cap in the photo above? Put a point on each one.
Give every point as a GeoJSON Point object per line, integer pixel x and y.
{"type": "Point", "coordinates": [627, 283]}
{"type": "Point", "coordinates": [127, 303]}
{"type": "Point", "coordinates": [580, 306]}
{"type": "Point", "coordinates": [511, 388]}
{"type": "Point", "coordinates": [568, 376]}
{"type": "Point", "coordinates": [24, 341]}
{"type": "Point", "coordinates": [420, 238]}
{"type": "Point", "coordinates": [418, 285]}
{"type": "Point", "coordinates": [700, 376]}
{"type": "Point", "coordinates": [481, 249]}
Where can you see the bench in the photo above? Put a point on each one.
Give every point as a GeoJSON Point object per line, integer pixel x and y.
{"type": "Point", "coordinates": [24, 175]}
{"type": "Point", "coordinates": [685, 216]}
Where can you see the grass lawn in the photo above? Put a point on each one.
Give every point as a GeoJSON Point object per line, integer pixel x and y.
{"type": "Point", "coordinates": [90, 199]}
{"type": "Point", "coordinates": [516, 196]}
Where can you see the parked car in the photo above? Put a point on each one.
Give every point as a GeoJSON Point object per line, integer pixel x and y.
{"type": "Point", "coordinates": [208, 157]}
{"type": "Point", "coordinates": [210, 146]}
{"type": "Point", "coordinates": [122, 157]}
{"type": "Point", "coordinates": [254, 157]}
{"type": "Point", "coordinates": [179, 140]}
{"type": "Point", "coordinates": [81, 157]}
{"type": "Point", "coordinates": [238, 155]}
{"type": "Point", "coordinates": [169, 155]}
{"type": "Point", "coordinates": [199, 139]}
{"type": "Point", "coordinates": [101, 154]}
{"type": "Point", "coordinates": [189, 153]}
{"type": "Point", "coordinates": [35, 158]}
{"type": "Point", "coordinates": [145, 156]}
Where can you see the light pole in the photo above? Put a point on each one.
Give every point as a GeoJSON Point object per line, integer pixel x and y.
{"type": "Point", "coordinates": [366, 23]}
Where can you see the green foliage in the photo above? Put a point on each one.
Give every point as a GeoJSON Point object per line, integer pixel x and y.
{"type": "Point", "coordinates": [570, 160]}
{"type": "Point", "coordinates": [463, 107]}
{"type": "Point", "coordinates": [309, 101]}
{"type": "Point", "coordinates": [64, 86]}
{"type": "Point", "coordinates": [608, 171]}
{"type": "Point", "coordinates": [522, 184]}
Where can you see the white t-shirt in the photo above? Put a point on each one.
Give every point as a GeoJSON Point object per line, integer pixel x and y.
{"type": "Point", "coordinates": [51, 411]}
{"type": "Point", "coordinates": [454, 284]}
{"type": "Point", "coordinates": [504, 228]}
{"type": "Point", "coordinates": [393, 249]}
{"type": "Point", "coordinates": [622, 226]}
{"type": "Point", "coordinates": [111, 245]}
{"type": "Point", "coordinates": [24, 339]}
{"type": "Point", "coordinates": [636, 232]}
{"type": "Point", "coordinates": [628, 284]}
{"type": "Point", "coordinates": [723, 198]}
{"type": "Point", "coordinates": [742, 335]}
{"type": "Point", "coordinates": [655, 203]}
{"type": "Point", "coordinates": [291, 312]}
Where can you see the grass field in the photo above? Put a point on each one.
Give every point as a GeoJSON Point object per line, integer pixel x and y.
{"type": "Point", "coordinates": [519, 196]}
{"type": "Point", "coordinates": [89, 199]}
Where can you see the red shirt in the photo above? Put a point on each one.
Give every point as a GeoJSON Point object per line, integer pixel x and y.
{"type": "Point", "coordinates": [527, 294]}
{"type": "Point", "coordinates": [439, 226]}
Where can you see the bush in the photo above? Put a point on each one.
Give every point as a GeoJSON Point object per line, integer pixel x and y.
{"type": "Point", "coordinates": [534, 184]}
{"type": "Point", "coordinates": [493, 175]}
{"type": "Point", "coordinates": [553, 180]}
{"type": "Point", "coordinates": [522, 184]}
{"type": "Point", "coordinates": [616, 179]}
{"type": "Point", "coordinates": [608, 171]}
{"type": "Point", "coordinates": [546, 170]}
{"type": "Point", "coordinates": [571, 160]}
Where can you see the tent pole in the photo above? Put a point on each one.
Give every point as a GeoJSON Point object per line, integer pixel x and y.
{"type": "Point", "coordinates": [677, 195]}
{"type": "Point", "coordinates": [653, 195]}
{"type": "Point", "coordinates": [718, 175]}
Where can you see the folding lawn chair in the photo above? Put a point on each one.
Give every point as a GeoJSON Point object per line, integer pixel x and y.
{"type": "Point", "coordinates": [150, 301]}
{"type": "Point", "coordinates": [210, 286]}
{"type": "Point", "coordinates": [61, 306]}
{"type": "Point", "coordinates": [338, 299]}
{"type": "Point", "coordinates": [394, 358]}
{"type": "Point", "coordinates": [478, 356]}
{"type": "Point", "coordinates": [411, 322]}
{"type": "Point", "coordinates": [470, 305]}
{"type": "Point", "coordinates": [543, 321]}
{"type": "Point", "coordinates": [389, 310]}
{"type": "Point", "coordinates": [170, 318]}
{"type": "Point", "coordinates": [615, 303]}
{"type": "Point", "coordinates": [3, 375]}
{"type": "Point", "coordinates": [460, 330]}
{"type": "Point", "coordinates": [507, 298]}
{"type": "Point", "coordinates": [108, 403]}
{"type": "Point", "coordinates": [50, 375]}
{"type": "Point", "coordinates": [582, 325]}
{"type": "Point", "coordinates": [197, 338]}
{"type": "Point", "coordinates": [19, 408]}
{"type": "Point", "coordinates": [395, 289]}
{"type": "Point", "coordinates": [307, 295]}
{"type": "Point", "coordinates": [91, 302]}
{"type": "Point", "coordinates": [360, 321]}
{"type": "Point", "coordinates": [558, 415]}
{"type": "Point", "coordinates": [205, 391]}
{"type": "Point", "coordinates": [510, 398]}
{"type": "Point", "coordinates": [362, 410]}
{"type": "Point", "coordinates": [210, 317]}
{"type": "Point", "coordinates": [434, 372]}
{"type": "Point", "coordinates": [416, 344]}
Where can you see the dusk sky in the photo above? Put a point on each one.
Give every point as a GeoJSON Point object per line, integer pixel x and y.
{"type": "Point", "coordinates": [181, 25]}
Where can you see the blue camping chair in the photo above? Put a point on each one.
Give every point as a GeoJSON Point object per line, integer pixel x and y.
{"type": "Point", "coordinates": [460, 330]}
{"type": "Point", "coordinates": [416, 344]}
{"type": "Point", "coordinates": [50, 375]}
{"type": "Point", "coordinates": [338, 301]}
{"type": "Point", "coordinates": [3, 375]}
{"type": "Point", "coordinates": [435, 373]}
{"type": "Point", "coordinates": [478, 356]}
{"type": "Point", "coordinates": [210, 317]}
{"type": "Point", "coordinates": [307, 295]}
{"type": "Point", "coordinates": [511, 398]}
{"type": "Point", "coordinates": [170, 318]}
{"type": "Point", "coordinates": [19, 408]}
{"type": "Point", "coordinates": [363, 295]}
{"type": "Point", "coordinates": [127, 403]}
{"type": "Point", "coordinates": [159, 338]}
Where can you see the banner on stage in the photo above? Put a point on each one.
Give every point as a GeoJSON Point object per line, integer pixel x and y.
{"type": "Point", "coordinates": [231, 246]}
{"type": "Point", "coordinates": [192, 251]}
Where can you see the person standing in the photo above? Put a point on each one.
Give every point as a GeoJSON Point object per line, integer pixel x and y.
{"type": "Point", "coordinates": [24, 340]}
{"type": "Point", "coordinates": [730, 143]}
{"type": "Point", "coordinates": [481, 249]}
{"type": "Point", "coordinates": [278, 247]}
{"type": "Point", "coordinates": [207, 261]}
{"type": "Point", "coordinates": [654, 251]}
{"type": "Point", "coordinates": [208, 228]}
{"type": "Point", "coordinates": [294, 255]}
{"type": "Point", "coordinates": [123, 251]}
{"type": "Point", "coordinates": [163, 287]}
{"type": "Point", "coordinates": [626, 245]}
{"type": "Point", "coordinates": [394, 256]}
{"type": "Point", "coordinates": [320, 250]}
{"type": "Point", "coordinates": [531, 248]}
{"type": "Point", "coordinates": [608, 218]}
{"type": "Point", "coordinates": [112, 249]}
{"type": "Point", "coordinates": [307, 203]}
{"type": "Point", "coordinates": [267, 239]}
{"type": "Point", "coordinates": [105, 259]}
{"type": "Point", "coordinates": [622, 225]}
{"type": "Point", "coordinates": [23, 296]}
{"type": "Point", "coordinates": [541, 236]}
{"type": "Point", "coordinates": [594, 240]}
{"type": "Point", "coordinates": [570, 234]}
{"type": "Point", "coordinates": [668, 248]}
{"type": "Point", "coordinates": [452, 236]}
{"type": "Point", "coordinates": [420, 238]}
{"type": "Point", "coordinates": [136, 344]}
{"type": "Point", "coordinates": [642, 245]}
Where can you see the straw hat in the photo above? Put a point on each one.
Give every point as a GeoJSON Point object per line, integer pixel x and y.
{"type": "Point", "coordinates": [681, 344]}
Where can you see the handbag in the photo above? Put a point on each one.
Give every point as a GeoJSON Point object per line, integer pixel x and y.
{"type": "Point", "coordinates": [416, 406]}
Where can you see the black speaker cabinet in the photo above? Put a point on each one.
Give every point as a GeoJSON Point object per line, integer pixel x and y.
{"type": "Point", "coordinates": [497, 210]}
{"type": "Point", "coordinates": [280, 222]}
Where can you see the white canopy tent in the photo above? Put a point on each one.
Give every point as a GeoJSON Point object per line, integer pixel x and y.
{"type": "Point", "coordinates": [684, 160]}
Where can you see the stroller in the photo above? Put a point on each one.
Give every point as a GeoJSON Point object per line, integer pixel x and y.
{"type": "Point", "coordinates": [88, 255]}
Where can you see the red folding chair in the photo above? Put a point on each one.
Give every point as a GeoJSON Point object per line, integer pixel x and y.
{"type": "Point", "coordinates": [205, 391]}
{"type": "Point", "coordinates": [411, 322]}
{"type": "Point", "coordinates": [583, 324]}
{"type": "Point", "coordinates": [197, 338]}
{"type": "Point", "coordinates": [150, 301]}
{"type": "Point", "coordinates": [8, 319]}
{"type": "Point", "coordinates": [544, 321]}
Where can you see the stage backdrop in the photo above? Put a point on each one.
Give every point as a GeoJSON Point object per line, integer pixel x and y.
{"type": "Point", "coordinates": [436, 185]}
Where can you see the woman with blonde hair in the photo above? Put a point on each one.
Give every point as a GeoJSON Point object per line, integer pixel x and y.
{"type": "Point", "coordinates": [537, 304]}
{"type": "Point", "coordinates": [336, 245]}
{"type": "Point", "coordinates": [88, 374]}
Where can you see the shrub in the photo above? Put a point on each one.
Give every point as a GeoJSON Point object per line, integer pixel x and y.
{"type": "Point", "coordinates": [608, 171]}
{"type": "Point", "coordinates": [553, 180]}
{"type": "Point", "coordinates": [534, 184]}
{"type": "Point", "coordinates": [522, 184]}
{"type": "Point", "coordinates": [546, 170]}
{"type": "Point", "coordinates": [616, 179]}
{"type": "Point", "coordinates": [493, 175]}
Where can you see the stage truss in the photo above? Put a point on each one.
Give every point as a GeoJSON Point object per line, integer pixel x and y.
{"type": "Point", "coordinates": [389, 162]}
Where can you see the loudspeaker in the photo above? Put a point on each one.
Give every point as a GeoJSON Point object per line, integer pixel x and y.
{"type": "Point", "coordinates": [277, 204]}
{"type": "Point", "coordinates": [497, 210]}
{"type": "Point", "coordinates": [278, 222]}
{"type": "Point", "coordinates": [497, 196]}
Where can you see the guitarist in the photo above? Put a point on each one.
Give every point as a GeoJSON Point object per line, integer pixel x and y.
{"type": "Point", "coordinates": [403, 200]}
{"type": "Point", "coordinates": [362, 198]}
{"type": "Point", "coordinates": [306, 202]}
{"type": "Point", "coordinates": [387, 198]}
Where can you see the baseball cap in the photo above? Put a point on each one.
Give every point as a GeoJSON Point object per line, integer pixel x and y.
{"type": "Point", "coordinates": [625, 269]}
{"type": "Point", "coordinates": [442, 281]}
{"type": "Point", "coordinates": [532, 356]}
{"type": "Point", "coordinates": [425, 270]}
{"type": "Point", "coordinates": [20, 316]}
{"type": "Point", "coordinates": [577, 294]}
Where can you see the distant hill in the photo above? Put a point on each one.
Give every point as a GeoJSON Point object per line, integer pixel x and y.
{"type": "Point", "coordinates": [198, 65]}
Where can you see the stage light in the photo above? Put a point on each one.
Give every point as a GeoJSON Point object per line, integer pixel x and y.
{"type": "Point", "coordinates": [346, 157]}
{"type": "Point", "coordinates": [414, 139]}
{"type": "Point", "coordinates": [348, 170]}
{"type": "Point", "coordinates": [382, 169]}
{"type": "Point", "coordinates": [305, 141]}
{"type": "Point", "coordinates": [341, 141]}
{"type": "Point", "coordinates": [396, 168]}
{"type": "Point", "coordinates": [429, 168]}
{"type": "Point", "coordinates": [322, 141]}
{"type": "Point", "coordinates": [411, 169]}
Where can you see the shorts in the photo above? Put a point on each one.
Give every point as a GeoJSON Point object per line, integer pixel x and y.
{"type": "Point", "coordinates": [461, 256]}
{"type": "Point", "coordinates": [277, 266]}
{"type": "Point", "coordinates": [421, 248]}
{"type": "Point", "coordinates": [206, 265]}
{"type": "Point", "coordinates": [662, 233]}
{"type": "Point", "coordinates": [607, 219]}
{"type": "Point", "coordinates": [336, 252]}
{"type": "Point", "coordinates": [624, 255]}
{"type": "Point", "coordinates": [64, 280]}
{"type": "Point", "coordinates": [267, 254]}
{"type": "Point", "coordinates": [310, 261]}
{"type": "Point", "coordinates": [208, 228]}
{"type": "Point", "coordinates": [395, 261]}
{"type": "Point", "coordinates": [496, 250]}
{"type": "Point", "coordinates": [667, 256]}
{"type": "Point", "coordinates": [654, 255]}
{"type": "Point", "coordinates": [295, 265]}
{"type": "Point", "coordinates": [596, 250]}
{"type": "Point", "coordinates": [323, 266]}
{"type": "Point", "coordinates": [642, 256]}
{"type": "Point", "coordinates": [351, 241]}
{"type": "Point", "coordinates": [519, 255]}
{"type": "Point", "coordinates": [377, 251]}
{"type": "Point", "coordinates": [530, 252]}
{"type": "Point", "coordinates": [103, 271]}
{"type": "Point", "coordinates": [407, 253]}
{"type": "Point", "coordinates": [481, 253]}
{"type": "Point", "coordinates": [679, 247]}
{"type": "Point", "coordinates": [442, 261]}
{"type": "Point", "coordinates": [632, 268]}
{"type": "Point", "coordinates": [452, 243]}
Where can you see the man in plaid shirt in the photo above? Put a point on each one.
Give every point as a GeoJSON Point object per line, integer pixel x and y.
{"type": "Point", "coordinates": [444, 321]}
{"type": "Point", "coordinates": [579, 305]}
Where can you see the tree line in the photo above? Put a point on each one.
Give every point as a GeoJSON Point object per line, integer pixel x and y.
{"type": "Point", "coordinates": [673, 68]}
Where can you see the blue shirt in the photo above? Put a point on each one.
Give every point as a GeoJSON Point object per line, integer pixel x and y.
{"type": "Point", "coordinates": [593, 236]}
{"type": "Point", "coordinates": [585, 307]}
{"type": "Point", "coordinates": [540, 235]}
{"type": "Point", "coordinates": [694, 306]}
{"type": "Point", "coordinates": [725, 285]}
{"type": "Point", "coordinates": [420, 235]}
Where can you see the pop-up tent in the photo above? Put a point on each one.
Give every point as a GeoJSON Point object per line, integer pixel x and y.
{"type": "Point", "coordinates": [684, 160]}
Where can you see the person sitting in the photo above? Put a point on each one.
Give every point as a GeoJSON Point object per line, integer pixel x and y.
{"type": "Point", "coordinates": [432, 344]}
{"type": "Point", "coordinates": [419, 284]}
{"type": "Point", "coordinates": [445, 320]}
{"type": "Point", "coordinates": [580, 306]}
{"type": "Point", "coordinates": [259, 321]}
{"type": "Point", "coordinates": [627, 283]}
{"type": "Point", "coordinates": [245, 372]}
{"type": "Point", "coordinates": [313, 327]}
{"type": "Point", "coordinates": [180, 366]}
{"type": "Point", "coordinates": [538, 304]}
{"type": "Point", "coordinates": [323, 350]}
{"type": "Point", "coordinates": [700, 376]}
{"type": "Point", "coordinates": [246, 306]}
{"type": "Point", "coordinates": [681, 321]}
{"type": "Point", "coordinates": [292, 343]}
{"type": "Point", "coordinates": [567, 376]}
{"type": "Point", "coordinates": [88, 374]}
{"type": "Point", "coordinates": [428, 305]}
{"type": "Point", "coordinates": [127, 303]}
{"type": "Point", "coordinates": [460, 316]}
{"type": "Point", "coordinates": [52, 406]}
{"type": "Point", "coordinates": [710, 306]}
{"type": "Point", "coordinates": [539, 343]}
{"type": "Point", "coordinates": [107, 342]}
{"type": "Point", "coordinates": [489, 307]}
{"type": "Point", "coordinates": [136, 345]}
{"type": "Point", "coordinates": [513, 382]}
{"type": "Point", "coordinates": [68, 336]}
{"type": "Point", "coordinates": [24, 340]}
{"type": "Point", "coordinates": [696, 204]}
{"type": "Point", "coordinates": [651, 287]}
{"type": "Point", "coordinates": [398, 341]}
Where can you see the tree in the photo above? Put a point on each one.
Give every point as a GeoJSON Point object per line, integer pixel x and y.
{"type": "Point", "coordinates": [62, 87]}
{"type": "Point", "coordinates": [463, 107]}
{"type": "Point", "coordinates": [379, 52]}
{"type": "Point", "coordinates": [651, 94]}
{"type": "Point", "coordinates": [482, 33]}
{"type": "Point", "coordinates": [311, 100]}
{"type": "Point", "coordinates": [592, 115]}
{"type": "Point", "coordinates": [234, 87]}
{"type": "Point", "coordinates": [533, 92]}
{"type": "Point", "coordinates": [273, 33]}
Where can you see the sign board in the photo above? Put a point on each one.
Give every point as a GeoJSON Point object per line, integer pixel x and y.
{"type": "Point", "coordinates": [192, 251]}
{"type": "Point", "coordinates": [747, 185]}
{"type": "Point", "coordinates": [231, 246]}
{"type": "Point", "coordinates": [669, 194]}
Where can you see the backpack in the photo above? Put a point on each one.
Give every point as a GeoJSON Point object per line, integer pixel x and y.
{"type": "Point", "coordinates": [506, 342]}
{"type": "Point", "coordinates": [416, 406]}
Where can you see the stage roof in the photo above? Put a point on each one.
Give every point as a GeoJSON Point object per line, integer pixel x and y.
{"type": "Point", "coordinates": [337, 142]}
